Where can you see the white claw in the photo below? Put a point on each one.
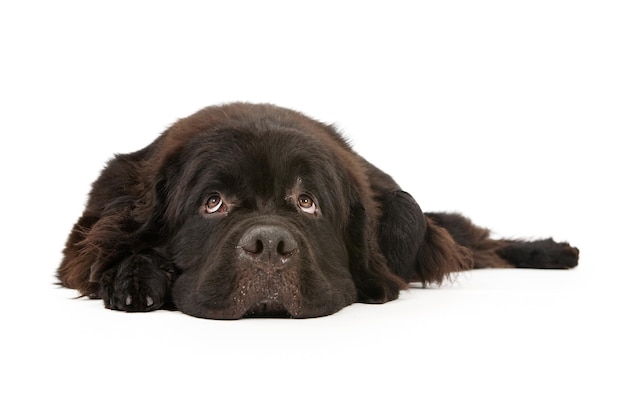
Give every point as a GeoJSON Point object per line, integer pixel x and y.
{"type": "Point", "coordinates": [149, 301]}
{"type": "Point", "coordinates": [129, 300]}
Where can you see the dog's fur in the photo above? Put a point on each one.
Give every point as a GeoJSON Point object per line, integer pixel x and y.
{"type": "Point", "coordinates": [254, 210]}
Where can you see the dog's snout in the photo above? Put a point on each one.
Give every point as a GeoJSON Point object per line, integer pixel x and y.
{"type": "Point", "coordinates": [271, 244]}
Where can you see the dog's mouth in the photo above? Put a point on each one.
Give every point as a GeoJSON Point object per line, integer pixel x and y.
{"type": "Point", "coordinates": [267, 308]}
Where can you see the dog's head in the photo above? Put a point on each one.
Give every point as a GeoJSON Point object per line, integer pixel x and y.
{"type": "Point", "coordinates": [266, 217]}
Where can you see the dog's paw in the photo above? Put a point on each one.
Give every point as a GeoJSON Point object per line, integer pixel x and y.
{"type": "Point", "coordinates": [140, 282]}
{"type": "Point", "coordinates": [540, 254]}
{"type": "Point", "coordinates": [564, 256]}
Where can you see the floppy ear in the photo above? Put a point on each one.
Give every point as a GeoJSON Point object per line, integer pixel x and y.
{"type": "Point", "coordinates": [416, 249]}
{"type": "Point", "coordinates": [439, 256]}
{"type": "Point", "coordinates": [374, 282]}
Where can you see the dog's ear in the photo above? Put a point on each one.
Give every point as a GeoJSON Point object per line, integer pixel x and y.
{"type": "Point", "coordinates": [150, 212]}
{"type": "Point", "coordinates": [439, 256]}
{"type": "Point", "coordinates": [163, 195]}
{"type": "Point", "coordinates": [415, 248]}
{"type": "Point", "coordinates": [374, 282]}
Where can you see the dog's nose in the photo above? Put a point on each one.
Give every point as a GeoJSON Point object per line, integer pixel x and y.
{"type": "Point", "coordinates": [270, 244]}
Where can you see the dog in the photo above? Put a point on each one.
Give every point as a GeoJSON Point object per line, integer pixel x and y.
{"type": "Point", "coordinates": [253, 210]}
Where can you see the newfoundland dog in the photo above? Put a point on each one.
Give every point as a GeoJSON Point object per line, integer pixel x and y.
{"type": "Point", "coordinates": [247, 210]}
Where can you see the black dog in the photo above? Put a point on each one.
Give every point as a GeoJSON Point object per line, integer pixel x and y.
{"type": "Point", "coordinates": [255, 210]}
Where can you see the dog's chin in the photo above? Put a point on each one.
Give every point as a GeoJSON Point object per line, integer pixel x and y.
{"type": "Point", "coordinates": [264, 308]}
{"type": "Point", "coordinates": [259, 291]}
{"type": "Point", "coordinates": [267, 308]}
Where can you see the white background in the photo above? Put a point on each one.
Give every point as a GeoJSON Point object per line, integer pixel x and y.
{"type": "Point", "coordinates": [512, 113]}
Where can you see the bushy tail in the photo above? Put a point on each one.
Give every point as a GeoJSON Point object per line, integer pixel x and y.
{"type": "Point", "coordinates": [505, 253]}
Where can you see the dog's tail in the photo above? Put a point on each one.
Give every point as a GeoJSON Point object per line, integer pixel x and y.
{"type": "Point", "coordinates": [505, 253]}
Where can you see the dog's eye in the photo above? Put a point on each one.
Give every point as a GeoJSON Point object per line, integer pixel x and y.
{"type": "Point", "coordinates": [306, 204]}
{"type": "Point", "coordinates": [214, 204]}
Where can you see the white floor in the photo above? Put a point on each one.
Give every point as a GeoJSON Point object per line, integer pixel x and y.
{"type": "Point", "coordinates": [511, 113]}
{"type": "Point", "coordinates": [512, 342]}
